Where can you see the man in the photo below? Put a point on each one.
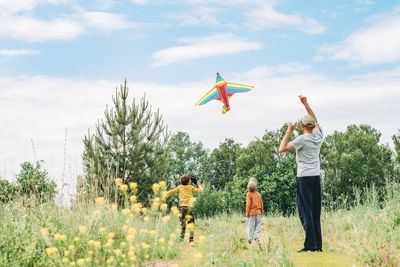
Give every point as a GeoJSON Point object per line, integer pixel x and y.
{"type": "Point", "coordinates": [308, 180]}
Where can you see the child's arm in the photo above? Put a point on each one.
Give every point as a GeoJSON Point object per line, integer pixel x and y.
{"type": "Point", "coordinates": [198, 190]}
{"type": "Point", "coordinates": [171, 192]}
{"type": "Point", "coordinates": [248, 204]}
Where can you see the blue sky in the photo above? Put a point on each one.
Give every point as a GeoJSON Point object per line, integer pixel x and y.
{"type": "Point", "coordinates": [60, 61]}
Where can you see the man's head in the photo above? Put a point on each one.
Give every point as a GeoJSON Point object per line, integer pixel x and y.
{"type": "Point", "coordinates": [307, 123]}
{"type": "Point", "coordinates": [185, 179]}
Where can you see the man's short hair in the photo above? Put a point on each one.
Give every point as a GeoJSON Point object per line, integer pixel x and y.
{"type": "Point", "coordinates": [252, 186]}
{"type": "Point", "coordinates": [185, 179]}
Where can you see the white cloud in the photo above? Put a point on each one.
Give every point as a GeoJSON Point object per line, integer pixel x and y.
{"type": "Point", "coordinates": [18, 52]}
{"type": "Point", "coordinates": [31, 29]}
{"type": "Point", "coordinates": [376, 44]}
{"type": "Point", "coordinates": [200, 47]}
{"type": "Point", "coordinates": [205, 16]}
{"type": "Point", "coordinates": [106, 21]}
{"type": "Point", "coordinates": [140, 2]}
{"type": "Point", "coordinates": [15, 6]}
{"type": "Point", "coordinates": [265, 16]}
{"type": "Point", "coordinates": [41, 108]}
{"type": "Point", "coordinates": [35, 30]}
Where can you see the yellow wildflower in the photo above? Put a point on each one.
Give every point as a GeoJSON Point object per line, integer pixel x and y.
{"type": "Point", "coordinates": [164, 207]}
{"type": "Point", "coordinates": [111, 259]}
{"type": "Point", "coordinates": [44, 231]}
{"type": "Point", "coordinates": [82, 229]}
{"type": "Point", "coordinates": [77, 239]}
{"type": "Point", "coordinates": [118, 181]}
{"type": "Point", "coordinates": [124, 227]}
{"type": "Point", "coordinates": [100, 201]}
{"type": "Point", "coordinates": [165, 219]}
{"type": "Point", "coordinates": [90, 252]}
{"type": "Point", "coordinates": [123, 187]}
{"type": "Point", "coordinates": [198, 255]}
{"type": "Point", "coordinates": [102, 229]}
{"type": "Point", "coordinates": [114, 206]}
{"type": "Point", "coordinates": [110, 235]}
{"type": "Point", "coordinates": [175, 210]}
{"type": "Point", "coordinates": [65, 260]}
{"type": "Point", "coordinates": [96, 213]}
{"type": "Point", "coordinates": [161, 240]}
{"type": "Point", "coordinates": [156, 188]}
{"type": "Point", "coordinates": [172, 236]}
{"type": "Point", "coordinates": [117, 252]}
{"type": "Point", "coordinates": [51, 250]}
{"type": "Point", "coordinates": [147, 256]}
{"type": "Point", "coordinates": [190, 226]}
{"type": "Point", "coordinates": [170, 242]}
{"type": "Point", "coordinates": [133, 198]}
{"type": "Point", "coordinates": [133, 186]}
{"type": "Point", "coordinates": [80, 262]}
{"type": "Point", "coordinates": [130, 237]}
{"type": "Point", "coordinates": [132, 230]}
{"type": "Point", "coordinates": [71, 247]}
{"type": "Point", "coordinates": [66, 253]}
{"type": "Point", "coordinates": [122, 244]}
{"type": "Point", "coordinates": [125, 211]}
{"type": "Point", "coordinates": [152, 233]}
{"type": "Point", "coordinates": [97, 244]}
{"type": "Point", "coordinates": [144, 210]}
{"type": "Point", "coordinates": [163, 184]}
{"type": "Point", "coordinates": [72, 263]}
{"type": "Point", "coordinates": [146, 218]}
{"type": "Point", "coordinates": [88, 259]}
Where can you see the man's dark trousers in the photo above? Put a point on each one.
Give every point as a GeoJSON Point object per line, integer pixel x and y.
{"type": "Point", "coordinates": [308, 196]}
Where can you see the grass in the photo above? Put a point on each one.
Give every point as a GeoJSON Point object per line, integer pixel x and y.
{"type": "Point", "coordinates": [90, 234]}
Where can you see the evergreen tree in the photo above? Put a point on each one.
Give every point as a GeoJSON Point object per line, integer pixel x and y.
{"type": "Point", "coordinates": [129, 144]}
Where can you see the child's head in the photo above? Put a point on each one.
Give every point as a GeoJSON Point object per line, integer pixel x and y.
{"type": "Point", "coordinates": [185, 179]}
{"type": "Point", "coordinates": [252, 179]}
{"type": "Point", "coordinates": [252, 185]}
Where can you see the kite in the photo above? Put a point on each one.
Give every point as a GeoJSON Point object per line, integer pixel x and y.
{"type": "Point", "coordinates": [223, 91]}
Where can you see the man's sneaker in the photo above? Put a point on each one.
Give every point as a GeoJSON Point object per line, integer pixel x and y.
{"type": "Point", "coordinates": [304, 250]}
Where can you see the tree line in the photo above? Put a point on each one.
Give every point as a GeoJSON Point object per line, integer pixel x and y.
{"type": "Point", "coordinates": [133, 144]}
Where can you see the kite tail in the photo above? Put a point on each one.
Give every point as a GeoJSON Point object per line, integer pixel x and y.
{"type": "Point", "coordinates": [225, 109]}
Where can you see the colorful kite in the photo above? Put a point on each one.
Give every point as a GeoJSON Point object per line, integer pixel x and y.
{"type": "Point", "coordinates": [223, 91]}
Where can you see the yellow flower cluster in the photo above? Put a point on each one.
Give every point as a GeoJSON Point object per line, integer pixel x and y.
{"type": "Point", "coordinates": [60, 237]}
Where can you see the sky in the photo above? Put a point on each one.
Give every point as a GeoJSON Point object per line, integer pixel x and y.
{"type": "Point", "coordinates": [61, 61]}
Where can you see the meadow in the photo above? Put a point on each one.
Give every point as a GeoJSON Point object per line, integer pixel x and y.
{"type": "Point", "coordinates": [99, 233]}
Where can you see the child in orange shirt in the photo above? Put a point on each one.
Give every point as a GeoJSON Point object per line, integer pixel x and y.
{"type": "Point", "coordinates": [254, 211]}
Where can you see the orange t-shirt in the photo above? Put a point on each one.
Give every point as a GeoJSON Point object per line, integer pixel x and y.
{"type": "Point", "coordinates": [254, 204]}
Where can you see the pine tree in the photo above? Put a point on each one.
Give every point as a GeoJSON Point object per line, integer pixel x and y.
{"type": "Point", "coordinates": [129, 144]}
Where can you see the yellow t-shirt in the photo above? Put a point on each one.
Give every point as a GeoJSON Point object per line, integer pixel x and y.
{"type": "Point", "coordinates": [185, 194]}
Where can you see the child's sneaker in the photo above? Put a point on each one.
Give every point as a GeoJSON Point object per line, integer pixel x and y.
{"type": "Point", "coordinates": [249, 241]}
{"type": "Point", "coordinates": [192, 243]}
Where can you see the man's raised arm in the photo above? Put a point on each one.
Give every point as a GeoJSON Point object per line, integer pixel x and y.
{"type": "Point", "coordinates": [303, 100]}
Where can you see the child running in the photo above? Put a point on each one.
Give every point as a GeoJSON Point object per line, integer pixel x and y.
{"type": "Point", "coordinates": [185, 190]}
{"type": "Point", "coordinates": [254, 211]}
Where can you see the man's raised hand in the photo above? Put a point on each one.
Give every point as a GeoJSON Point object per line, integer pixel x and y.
{"type": "Point", "coordinates": [303, 99]}
{"type": "Point", "coordinates": [291, 127]}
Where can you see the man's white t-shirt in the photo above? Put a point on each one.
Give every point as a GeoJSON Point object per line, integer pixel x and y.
{"type": "Point", "coordinates": [307, 153]}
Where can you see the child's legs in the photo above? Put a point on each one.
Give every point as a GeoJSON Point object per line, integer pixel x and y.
{"type": "Point", "coordinates": [250, 226]}
{"type": "Point", "coordinates": [190, 220]}
{"type": "Point", "coordinates": [183, 211]}
{"type": "Point", "coordinates": [257, 226]}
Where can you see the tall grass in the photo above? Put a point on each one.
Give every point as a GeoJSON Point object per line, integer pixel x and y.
{"type": "Point", "coordinates": [92, 233]}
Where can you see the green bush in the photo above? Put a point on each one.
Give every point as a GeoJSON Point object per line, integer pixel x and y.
{"type": "Point", "coordinates": [33, 180]}
{"type": "Point", "coordinates": [8, 191]}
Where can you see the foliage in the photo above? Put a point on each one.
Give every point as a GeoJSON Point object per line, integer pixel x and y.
{"type": "Point", "coordinates": [212, 202]}
{"type": "Point", "coordinates": [186, 157]}
{"type": "Point", "coordinates": [33, 180]}
{"type": "Point", "coordinates": [354, 159]}
{"type": "Point", "coordinates": [275, 173]}
{"type": "Point", "coordinates": [129, 144]}
{"type": "Point", "coordinates": [8, 191]}
{"type": "Point", "coordinates": [223, 163]}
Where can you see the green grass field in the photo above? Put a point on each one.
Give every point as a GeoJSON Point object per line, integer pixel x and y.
{"type": "Point", "coordinates": [90, 234]}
